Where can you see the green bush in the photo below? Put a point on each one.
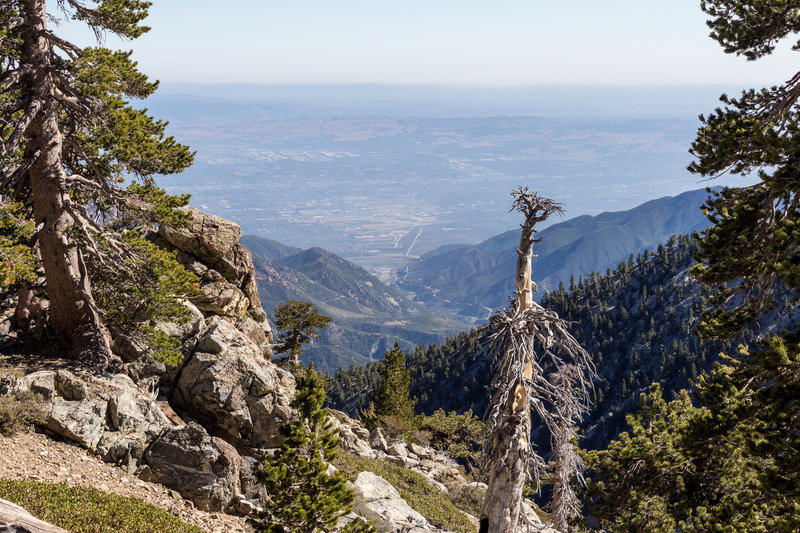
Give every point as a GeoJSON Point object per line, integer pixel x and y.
{"type": "Point", "coordinates": [469, 498]}
{"type": "Point", "coordinates": [459, 435]}
{"type": "Point", "coordinates": [413, 487]}
{"type": "Point", "coordinates": [86, 509]}
{"type": "Point", "coordinates": [19, 412]}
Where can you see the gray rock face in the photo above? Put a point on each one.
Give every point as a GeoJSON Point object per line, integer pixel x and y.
{"type": "Point", "coordinates": [202, 468]}
{"type": "Point", "coordinates": [108, 415]}
{"type": "Point", "coordinates": [191, 328]}
{"type": "Point", "coordinates": [210, 248]}
{"type": "Point", "coordinates": [351, 434]}
{"type": "Point", "coordinates": [208, 236]}
{"type": "Point", "coordinates": [232, 391]}
{"type": "Point", "coordinates": [379, 502]}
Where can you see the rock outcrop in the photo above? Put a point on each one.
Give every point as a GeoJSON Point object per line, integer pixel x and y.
{"type": "Point", "coordinates": [204, 469]}
{"type": "Point", "coordinates": [210, 248]}
{"type": "Point", "coordinates": [109, 415]}
{"type": "Point", "coordinates": [226, 387]}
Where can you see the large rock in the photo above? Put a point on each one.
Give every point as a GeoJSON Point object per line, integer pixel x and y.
{"type": "Point", "coordinates": [353, 437]}
{"type": "Point", "coordinates": [191, 328]}
{"type": "Point", "coordinates": [227, 387]}
{"type": "Point", "coordinates": [221, 298]}
{"type": "Point", "coordinates": [202, 468]}
{"type": "Point", "coordinates": [380, 503]}
{"type": "Point", "coordinates": [208, 237]}
{"type": "Point", "coordinates": [110, 416]}
{"type": "Point", "coordinates": [209, 247]}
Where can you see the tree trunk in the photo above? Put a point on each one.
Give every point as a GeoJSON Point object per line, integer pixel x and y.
{"type": "Point", "coordinates": [502, 506]}
{"type": "Point", "coordinates": [564, 498]}
{"type": "Point", "coordinates": [15, 518]}
{"type": "Point", "coordinates": [523, 279]}
{"type": "Point", "coordinates": [73, 314]}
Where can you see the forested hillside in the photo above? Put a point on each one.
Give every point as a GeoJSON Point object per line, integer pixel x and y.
{"type": "Point", "coordinates": [636, 321]}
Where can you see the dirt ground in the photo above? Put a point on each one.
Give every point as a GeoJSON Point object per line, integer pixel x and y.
{"type": "Point", "coordinates": [38, 457]}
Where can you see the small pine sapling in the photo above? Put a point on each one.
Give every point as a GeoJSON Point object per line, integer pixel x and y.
{"type": "Point", "coordinates": [303, 495]}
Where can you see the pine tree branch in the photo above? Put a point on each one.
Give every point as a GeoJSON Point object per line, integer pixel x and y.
{"type": "Point", "coordinates": [102, 182]}
{"type": "Point", "coordinates": [67, 47]}
{"type": "Point", "coordinates": [14, 22]}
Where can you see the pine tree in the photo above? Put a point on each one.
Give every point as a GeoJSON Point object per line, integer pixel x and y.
{"type": "Point", "coordinates": [302, 496]}
{"type": "Point", "coordinates": [297, 323]}
{"type": "Point", "coordinates": [69, 140]}
{"type": "Point", "coordinates": [754, 240]}
{"type": "Point", "coordinates": [393, 398]}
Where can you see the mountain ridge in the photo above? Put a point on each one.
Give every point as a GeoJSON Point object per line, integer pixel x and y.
{"type": "Point", "coordinates": [368, 316]}
{"type": "Point", "coordinates": [475, 279]}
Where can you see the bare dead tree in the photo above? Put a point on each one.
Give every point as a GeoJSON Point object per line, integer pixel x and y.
{"type": "Point", "coordinates": [568, 465]}
{"type": "Point", "coordinates": [530, 340]}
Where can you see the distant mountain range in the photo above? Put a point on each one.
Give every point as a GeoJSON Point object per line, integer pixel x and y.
{"type": "Point", "coordinates": [368, 316]}
{"type": "Point", "coordinates": [473, 280]}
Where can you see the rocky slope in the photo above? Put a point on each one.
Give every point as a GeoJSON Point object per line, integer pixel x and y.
{"type": "Point", "coordinates": [199, 429]}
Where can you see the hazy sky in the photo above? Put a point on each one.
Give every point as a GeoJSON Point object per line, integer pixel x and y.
{"type": "Point", "coordinates": [442, 42]}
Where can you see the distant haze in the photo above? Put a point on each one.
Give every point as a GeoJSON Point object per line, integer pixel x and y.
{"type": "Point", "coordinates": [460, 101]}
{"type": "Point", "coordinates": [446, 42]}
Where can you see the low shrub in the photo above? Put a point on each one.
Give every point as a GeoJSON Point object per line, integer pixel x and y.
{"type": "Point", "coordinates": [88, 510]}
{"type": "Point", "coordinates": [469, 498]}
{"type": "Point", "coordinates": [19, 412]}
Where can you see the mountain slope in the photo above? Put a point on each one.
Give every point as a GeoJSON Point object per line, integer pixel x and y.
{"type": "Point", "coordinates": [474, 280]}
{"type": "Point", "coordinates": [368, 316]}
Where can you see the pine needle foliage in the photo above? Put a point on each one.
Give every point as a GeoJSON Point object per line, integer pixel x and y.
{"type": "Point", "coordinates": [148, 288]}
{"type": "Point", "coordinates": [754, 240]}
{"type": "Point", "coordinates": [303, 497]}
{"type": "Point", "coordinates": [78, 156]}
{"type": "Point", "coordinates": [17, 261]}
{"type": "Point", "coordinates": [729, 464]}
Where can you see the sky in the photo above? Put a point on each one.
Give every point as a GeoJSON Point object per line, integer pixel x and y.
{"type": "Point", "coordinates": [440, 42]}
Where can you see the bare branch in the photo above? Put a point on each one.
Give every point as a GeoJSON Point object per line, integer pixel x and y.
{"type": "Point", "coordinates": [14, 22]}
{"type": "Point", "coordinates": [70, 49]}
{"type": "Point", "coordinates": [68, 100]}
{"type": "Point", "coordinates": [99, 175]}
{"type": "Point", "coordinates": [12, 77]}
{"type": "Point", "coordinates": [790, 92]}
{"type": "Point", "coordinates": [14, 139]}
